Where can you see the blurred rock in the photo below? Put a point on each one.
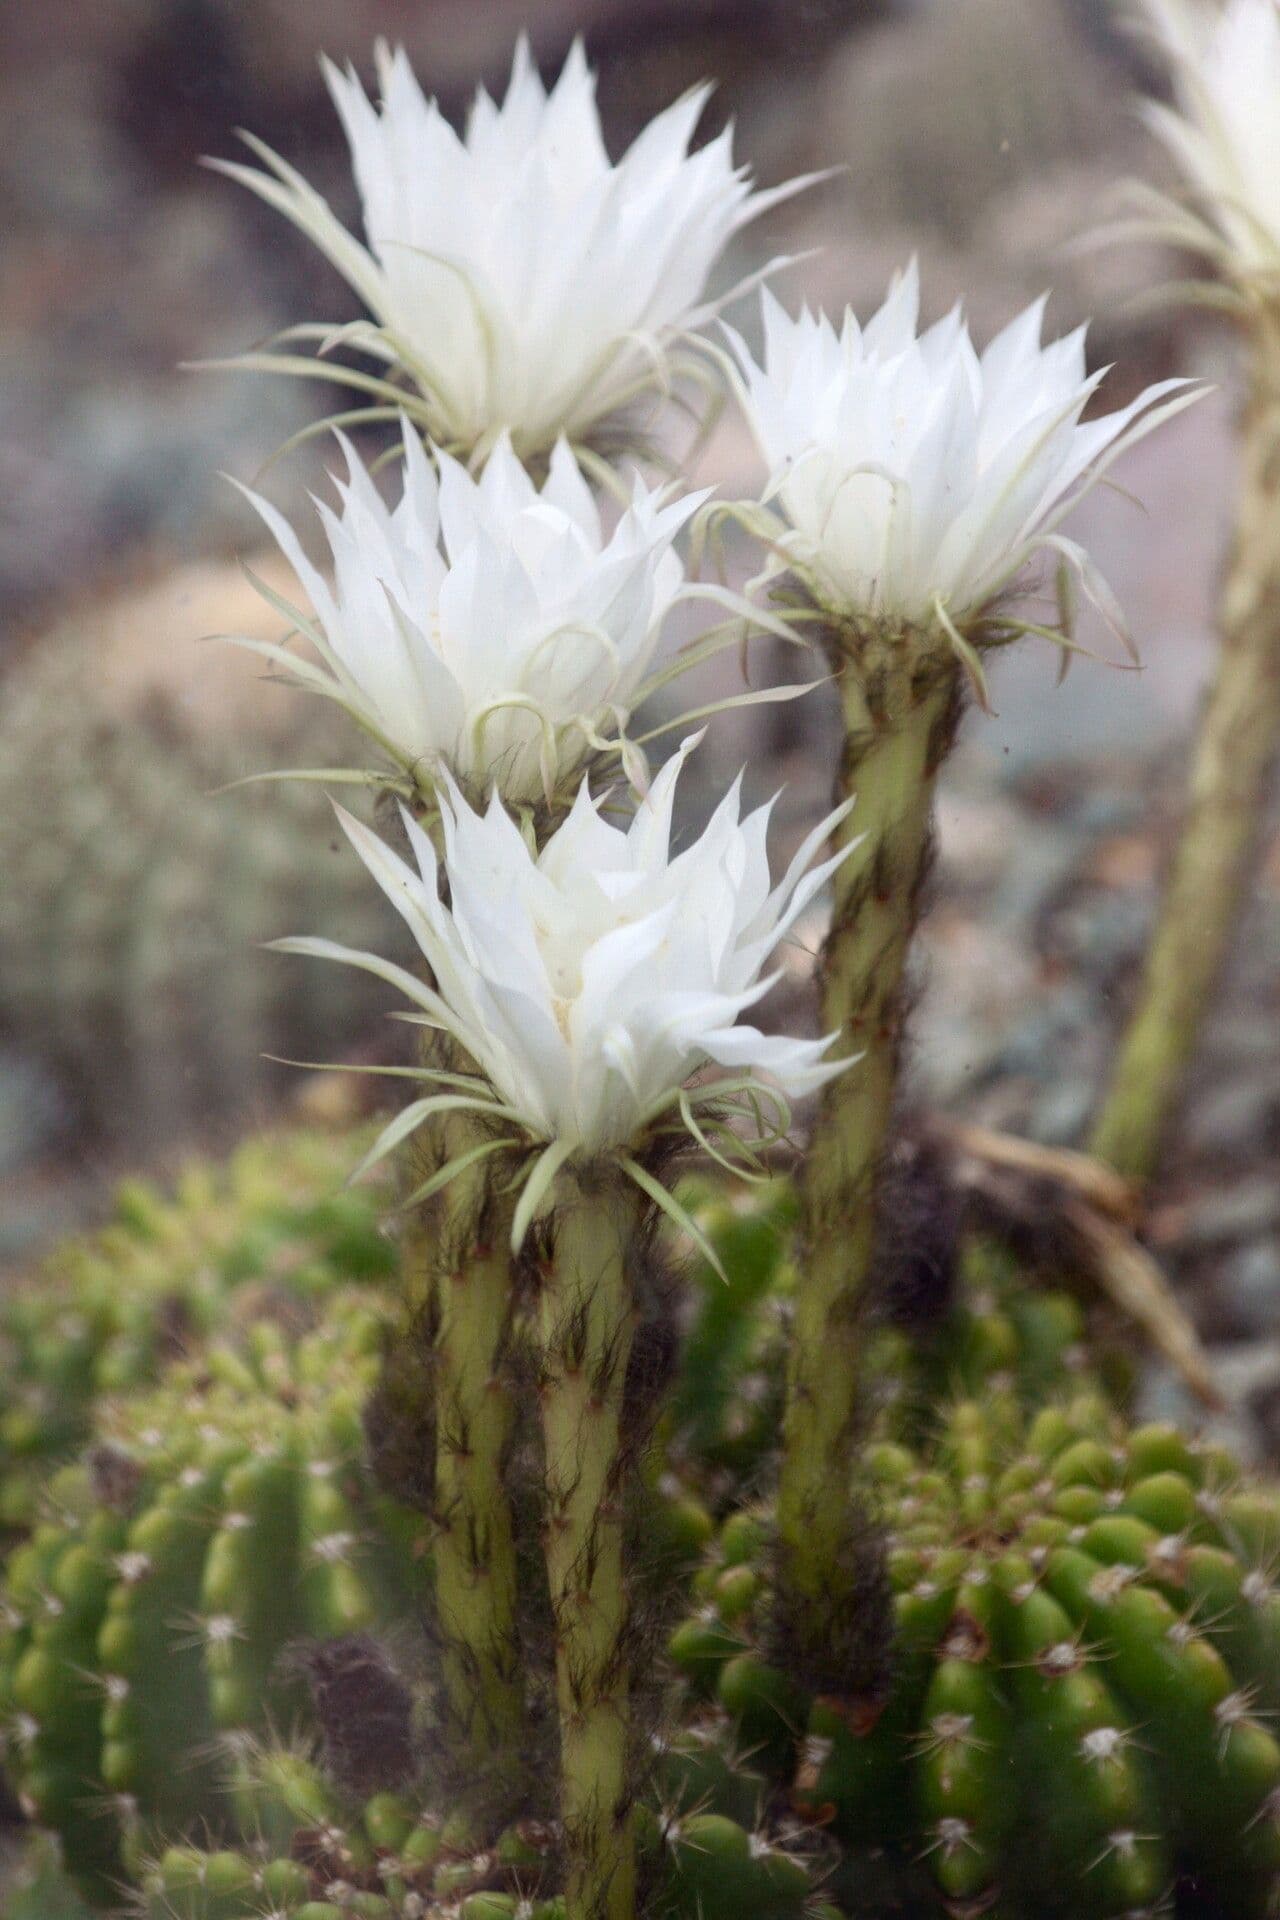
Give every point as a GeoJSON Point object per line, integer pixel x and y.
{"type": "Point", "coordinates": [990, 135]}
{"type": "Point", "coordinates": [32, 1114]}
{"type": "Point", "coordinates": [937, 115]}
{"type": "Point", "coordinates": [1235, 1213]}
{"type": "Point", "coordinates": [1251, 1287]}
{"type": "Point", "coordinates": [1248, 1374]}
{"type": "Point", "coordinates": [1241, 1113]}
{"type": "Point", "coordinates": [159, 638]}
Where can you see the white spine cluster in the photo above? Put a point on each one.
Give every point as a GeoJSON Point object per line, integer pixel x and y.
{"type": "Point", "coordinates": [492, 632]}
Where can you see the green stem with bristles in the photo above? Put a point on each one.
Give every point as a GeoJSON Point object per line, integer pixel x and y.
{"type": "Point", "coordinates": [586, 1319]}
{"type": "Point", "coordinates": [1234, 756]}
{"type": "Point", "coordinates": [901, 703]}
{"type": "Point", "coordinates": [458, 1263]}
{"type": "Point", "coordinates": [475, 1552]}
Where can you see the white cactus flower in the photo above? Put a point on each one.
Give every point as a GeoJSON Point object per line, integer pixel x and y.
{"type": "Point", "coordinates": [1224, 132]}
{"type": "Point", "coordinates": [589, 981]}
{"type": "Point", "coordinates": [483, 627]}
{"type": "Point", "coordinates": [914, 473]}
{"type": "Point", "coordinates": [523, 282]}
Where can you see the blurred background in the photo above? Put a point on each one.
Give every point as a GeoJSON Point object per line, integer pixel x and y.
{"type": "Point", "coordinates": [985, 134]}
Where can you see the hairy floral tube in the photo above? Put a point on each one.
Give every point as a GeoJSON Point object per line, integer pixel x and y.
{"type": "Point", "coordinates": [593, 983]}
{"type": "Point", "coordinates": [1234, 754]}
{"type": "Point", "coordinates": [913, 481]}
{"type": "Point", "coordinates": [586, 1321]}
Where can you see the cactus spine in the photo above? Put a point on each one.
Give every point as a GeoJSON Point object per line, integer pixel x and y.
{"type": "Point", "coordinates": [1234, 754]}
{"type": "Point", "coordinates": [585, 1326]}
{"type": "Point", "coordinates": [901, 705]}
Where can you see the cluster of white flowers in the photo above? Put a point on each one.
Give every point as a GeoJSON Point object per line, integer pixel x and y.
{"type": "Point", "coordinates": [493, 638]}
{"type": "Point", "coordinates": [1224, 131]}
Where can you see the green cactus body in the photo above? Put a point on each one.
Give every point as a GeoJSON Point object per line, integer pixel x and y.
{"type": "Point", "coordinates": [727, 1401]}
{"type": "Point", "coordinates": [269, 1235]}
{"type": "Point", "coordinates": [214, 1523]}
{"type": "Point", "coordinates": [36, 1888]}
{"type": "Point", "coordinates": [52, 1696]}
{"type": "Point", "coordinates": [713, 1868]}
{"type": "Point", "coordinates": [316, 1856]}
{"type": "Point", "coordinates": [1087, 1661]}
{"type": "Point", "coordinates": [724, 1423]}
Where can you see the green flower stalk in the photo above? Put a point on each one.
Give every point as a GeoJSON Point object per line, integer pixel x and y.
{"type": "Point", "coordinates": [1227, 84]}
{"type": "Point", "coordinates": [586, 1320]}
{"type": "Point", "coordinates": [900, 720]}
{"type": "Point", "coordinates": [915, 481]}
{"type": "Point", "coordinates": [1214, 860]}
{"type": "Point", "coordinates": [403, 639]}
{"type": "Point", "coordinates": [587, 982]}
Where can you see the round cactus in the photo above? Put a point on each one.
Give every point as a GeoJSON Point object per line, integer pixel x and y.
{"type": "Point", "coordinates": [316, 1855]}
{"type": "Point", "coordinates": [309, 1850]}
{"type": "Point", "coordinates": [726, 1407]}
{"type": "Point", "coordinates": [1087, 1659]}
{"type": "Point", "coordinates": [134, 904]}
{"type": "Point", "coordinates": [269, 1233]}
{"type": "Point", "coordinates": [211, 1525]}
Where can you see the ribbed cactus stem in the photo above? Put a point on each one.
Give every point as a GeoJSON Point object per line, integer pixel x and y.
{"type": "Point", "coordinates": [475, 1554]}
{"type": "Point", "coordinates": [586, 1323]}
{"type": "Point", "coordinates": [1234, 755]}
{"type": "Point", "coordinates": [901, 705]}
